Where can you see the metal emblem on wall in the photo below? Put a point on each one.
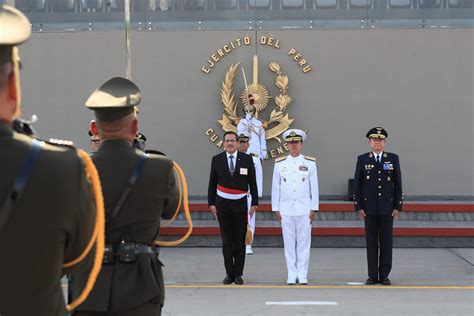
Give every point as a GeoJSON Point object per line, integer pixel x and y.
{"type": "Point", "coordinates": [256, 94]}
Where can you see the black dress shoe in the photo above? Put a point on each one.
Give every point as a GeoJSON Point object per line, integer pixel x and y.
{"type": "Point", "coordinates": [371, 281]}
{"type": "Point", "coordinates": [228, 280]}
{"type": "Point", "coordinates": [238, 280]}
{"type": "Point", "coordinates": [385, 281]}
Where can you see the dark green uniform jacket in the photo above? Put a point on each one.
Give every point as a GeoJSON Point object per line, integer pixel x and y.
{"type": "Point", "coordinates": [50, 224]}
{"type": "Point", "coordinates": [121, 286]}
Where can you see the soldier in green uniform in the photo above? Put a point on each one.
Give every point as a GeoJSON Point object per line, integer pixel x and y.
{"type": "Point", "coordinates": [139, 189]}
{"type": "Point", "coordinates": [47, 213]}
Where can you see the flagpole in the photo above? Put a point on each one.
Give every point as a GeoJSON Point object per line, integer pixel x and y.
{"type": "Point", "coordinates": [128, 68]}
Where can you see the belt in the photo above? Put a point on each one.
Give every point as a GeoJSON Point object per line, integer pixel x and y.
{"type": "Point", "coordinates": [138, 248]}
{"type": "Point", "coordinates": [126, 252]}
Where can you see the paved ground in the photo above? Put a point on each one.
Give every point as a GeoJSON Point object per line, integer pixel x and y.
{"type": "Point", "coordinates": [425, 282]}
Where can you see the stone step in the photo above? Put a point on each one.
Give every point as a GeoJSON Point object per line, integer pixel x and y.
{"type": "Point", "coordinates": [335, 234]}
{"type": "Point", "coordinates": [344, 211]}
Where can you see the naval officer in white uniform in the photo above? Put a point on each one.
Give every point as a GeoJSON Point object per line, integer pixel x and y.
{"type": "Point", "coordinates": [243, 147]}
{"type": "Point", "coordinates": [254, 127]}
{"type": "Point", "coordinates": [295, 199]}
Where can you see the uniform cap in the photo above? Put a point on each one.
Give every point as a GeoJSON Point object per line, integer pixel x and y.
{"type": "Point", "coordinates": [377, 132]}
{"type": "Point", "coordinates": [294, 135]}
{"type": "Point", "coordinates": [114, 99]}
{"type": "Point", "coordinates": [244, 136]}
{"type": "Point", "coordinates": [15, 28]}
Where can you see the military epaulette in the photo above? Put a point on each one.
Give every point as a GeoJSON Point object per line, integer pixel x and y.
{"type": "Point", "coordinates": [61, 142]}
{"type": "Point", "coordinates": [280, 159]}
{"type": "Point", "coordinates": [309, 158]}
{"type": "Point", "coordinates": [254, 155]}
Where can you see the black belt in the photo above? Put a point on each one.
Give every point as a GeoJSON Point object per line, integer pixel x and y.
{"type": "Point", "coordinates": [138, 248]}
{"type": "Point", "coordinates": [127, 252]}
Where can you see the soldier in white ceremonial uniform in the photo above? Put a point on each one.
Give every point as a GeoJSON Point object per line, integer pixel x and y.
{"type": "Point", "coordinates": [295, 199]}
{"type": "Point", "coordinates": [243, 147]}
{"type": "Point", "coordinates": [254, 127]}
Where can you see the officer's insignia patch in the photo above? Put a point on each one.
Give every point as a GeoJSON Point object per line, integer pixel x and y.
{"type": "Point", "coordinates": [385, 155]}
{"type": "Point", "coordinates": [370, 155]}
{"type": "Point", "coordinates": [303, 168]}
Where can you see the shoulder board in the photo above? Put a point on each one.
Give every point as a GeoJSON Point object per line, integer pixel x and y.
{"type": "Point", "coordinates": [254, 155]}
{"type": "Point", "coordinates": [309, 158]}
{"type": "Point", "coordinates": [60, 142]}
{"type": "Point", "coordinates": [280, 159]}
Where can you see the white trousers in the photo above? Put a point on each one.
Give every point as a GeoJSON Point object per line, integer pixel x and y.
{"type": "Point", "coordinates": [297, 245]}
{"type": "Point", "coordinates": [251, 220]}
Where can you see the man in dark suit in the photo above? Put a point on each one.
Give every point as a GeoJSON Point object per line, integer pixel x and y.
{"type": "Point", "coordinates": [232, 176]}
{"type": "Point", "coordinates": [378, 201]}
{"type": "Point", "coordinates": [47, 213]}
{"type": "Point", "coordinates": [139, 190]}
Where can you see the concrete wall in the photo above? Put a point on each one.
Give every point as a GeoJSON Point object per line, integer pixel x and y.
{"type": "Point", "coordinates": [418, 84]}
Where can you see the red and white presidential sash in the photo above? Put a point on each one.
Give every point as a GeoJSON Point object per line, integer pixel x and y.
{"type": "Point", "coordinates": [230, 194]}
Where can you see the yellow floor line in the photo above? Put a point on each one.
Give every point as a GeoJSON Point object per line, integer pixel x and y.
{"type": "Point", "coordinates": [286, 287]}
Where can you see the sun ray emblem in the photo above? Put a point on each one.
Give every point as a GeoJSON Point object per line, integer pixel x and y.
{"type": "Point", "coordinates": [258, 93]}
{"type": "Point", "coordinates": [279, 120]}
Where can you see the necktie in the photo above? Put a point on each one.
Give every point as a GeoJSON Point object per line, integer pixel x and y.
{"type": "Point", "coordinates": [231, 165]}
{"type": "Point", "coordinates": [378, 159]}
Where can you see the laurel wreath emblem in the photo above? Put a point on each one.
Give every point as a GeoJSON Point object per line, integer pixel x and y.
{"type": "Point", "coordinates": [278, 116]}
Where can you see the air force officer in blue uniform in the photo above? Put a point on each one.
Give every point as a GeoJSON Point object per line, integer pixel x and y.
{"type": "Point", "coordinates": [378, 201]}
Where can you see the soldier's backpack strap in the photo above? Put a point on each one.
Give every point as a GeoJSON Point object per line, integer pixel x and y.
{"type": "Point", "coordinates": [131, 182]}
{"type": "Point", "coordinates": [20, 182]}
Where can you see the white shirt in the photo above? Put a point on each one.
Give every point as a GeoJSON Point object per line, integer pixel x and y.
{"type": "Point", "coordinates": [378, 157]}
{"type": "Point", "coordinates": [295, 189]}
{"type": "Point", "coordinates": [234, 160]}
